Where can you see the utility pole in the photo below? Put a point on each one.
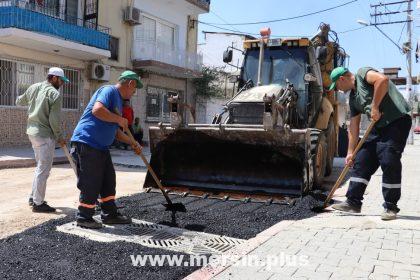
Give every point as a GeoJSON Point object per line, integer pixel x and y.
{"type": "Point", "coordinates": [409, 83]}
{"type": "Point", "coordinates": [381, 10]}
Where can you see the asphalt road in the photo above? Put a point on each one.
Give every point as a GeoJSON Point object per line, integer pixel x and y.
{"type": "Point", "coordinates": [42, 252]}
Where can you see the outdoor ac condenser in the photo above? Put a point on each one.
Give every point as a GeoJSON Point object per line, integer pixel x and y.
{"type": "Point", "coordinates": [100, 72]}
{"type": "Point", "coordinates": [132, 15]}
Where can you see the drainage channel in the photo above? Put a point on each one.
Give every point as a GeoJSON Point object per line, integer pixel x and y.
{"type": "Point", "coordinates": [157, 236]}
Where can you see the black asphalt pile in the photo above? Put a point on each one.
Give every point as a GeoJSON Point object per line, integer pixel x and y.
{"type": "Point", "coordinates": [44, 253]}
{"type": "Point", "coordinates": [230, 218]}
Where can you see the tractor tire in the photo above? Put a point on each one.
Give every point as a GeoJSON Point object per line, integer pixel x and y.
{"type": "Point", "coordinates": [331, 137]}
{"type": "Point", "coordinates": [319, 158]}
{"type": "Point", "coordinates": [320, 161]}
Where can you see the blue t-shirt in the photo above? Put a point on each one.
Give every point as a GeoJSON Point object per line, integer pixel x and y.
{"type": "Point", "coordinates": [92, 131]}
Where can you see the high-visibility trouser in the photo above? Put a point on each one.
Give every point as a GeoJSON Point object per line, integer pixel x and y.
{"type": "Point", "coordinates": [95, 178]}
{"type": "Point", "coordinates": [385, 151]}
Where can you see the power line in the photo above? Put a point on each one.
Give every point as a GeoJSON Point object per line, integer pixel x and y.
{"type": "Point", "coordinates": [223, 20]}
{"type": "Point", "coordinates": [285, 19]}
{"type": "Point", "coordinates": [248, 33]}
{"type": "Point", "coordinates": [350, 30]}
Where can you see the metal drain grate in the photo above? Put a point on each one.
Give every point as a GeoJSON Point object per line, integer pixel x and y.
{"type": "Point", "coordinates": [158, 236]}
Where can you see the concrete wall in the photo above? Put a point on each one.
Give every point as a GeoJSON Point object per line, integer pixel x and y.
{"type": "Point", "coordinates": [207, 108]}
{"type": "Point", "coordinates": [111, 15]}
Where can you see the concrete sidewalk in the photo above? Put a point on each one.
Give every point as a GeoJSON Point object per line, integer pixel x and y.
{"type": "Point", "coordinates": [24, 157]}
{"type": "Point", "coordinates": [338, 245]}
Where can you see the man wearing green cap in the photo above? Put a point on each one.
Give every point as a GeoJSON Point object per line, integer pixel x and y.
{"type": "Point", "coordinates": [44, 103]}
{"type": "Point", "coordinates": [95, 132]}
{"type": "Point", "coordinates": [373, 94]}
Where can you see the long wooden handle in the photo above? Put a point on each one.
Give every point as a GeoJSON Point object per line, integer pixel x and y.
{"type": "Point", "coordinates": [152, 172]}
{"type": "Point", "coordinates": [347, 167]}
{"type": "Point", "coordinates": [69, 158]}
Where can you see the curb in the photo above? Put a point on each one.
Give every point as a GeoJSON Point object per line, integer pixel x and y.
{"type": "Point", "coordinates": [28, 162]}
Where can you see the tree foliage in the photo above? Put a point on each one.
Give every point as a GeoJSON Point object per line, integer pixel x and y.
{"type": "Point", "coordinates": [210, 83]}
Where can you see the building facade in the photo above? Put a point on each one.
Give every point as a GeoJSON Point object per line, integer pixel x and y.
{"type": "Point", "coordinates": [94, 41]}
{"type": "Point", "coordinates": [164, 52]}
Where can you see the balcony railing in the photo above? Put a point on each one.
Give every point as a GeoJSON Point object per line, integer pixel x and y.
{"type": "Point", "coordinates": [54, 22]}
{"type": "Point", "coordinates": [143, 50]}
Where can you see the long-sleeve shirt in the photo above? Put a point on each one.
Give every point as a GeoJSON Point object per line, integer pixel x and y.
{"type": "Point", "coordinates": [44, 110]}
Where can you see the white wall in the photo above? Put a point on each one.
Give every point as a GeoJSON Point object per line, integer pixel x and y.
{"type": "Point", "coordinates": [214, 46]}
{"type": "Point", "coordinates": [175, 12]}
{"type": "Point", "coordinates": [207, 108]}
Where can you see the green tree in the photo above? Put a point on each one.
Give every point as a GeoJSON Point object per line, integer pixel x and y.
{"type": "Point", "coordinates": [209, 84]}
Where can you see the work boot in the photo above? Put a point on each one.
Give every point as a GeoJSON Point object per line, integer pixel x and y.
{"type": "Point", "coordinates": [31, 201]}
{"type": "Point", "coordinates": [88, 223]}
{"type": "Point", "coordinates": [116, 220]}
{"type": "Point", "coordinates": [388, 215]}
{"type": "Point", "coordinates": [43, 208]}
{"type": "Point", "coordinates": [346, 207]}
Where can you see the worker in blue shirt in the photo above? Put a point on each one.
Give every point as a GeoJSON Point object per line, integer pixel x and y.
{"type": "Point", "coordinates": [97, 129]}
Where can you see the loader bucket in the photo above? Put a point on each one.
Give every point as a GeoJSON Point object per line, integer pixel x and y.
{"type": "Point", "coordinates": [233, 158]}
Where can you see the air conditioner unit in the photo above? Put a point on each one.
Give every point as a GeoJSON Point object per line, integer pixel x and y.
{"type": "Point", "coordinates": [132, 15]}
{"type": "Point", "coordinates": [100, 72]}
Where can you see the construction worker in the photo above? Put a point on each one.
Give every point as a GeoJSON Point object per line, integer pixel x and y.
{"type": "Point", "coordinates": [44, 103]}
{"type": "Point", "coordinates": [95, 132]}
{"type": "Point", "coordinates": [373, 94]}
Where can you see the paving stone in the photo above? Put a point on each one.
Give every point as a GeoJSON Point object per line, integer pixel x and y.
{"type": "Point", "coordinates": [349, 260]}
{"type": "Point", "coordinates": [387, 255]}
{"type": "Point", "coordinates": [330, 260]}
{"type": "Point", "coordinates": [390, 245]}
{"type": "Point", "coordinates": [327, 268]}
{"type": "Point", "coordinates": [243, 273]}
{"type": "Point", "coordinates": [379, 276]}
{"type": "Point", "coordinates": [371, 252]}
{"type": "Point", "coordinates": [311, 274]}
{"type": "Point", "coordinates": [284, 270]}
{"type": "Point", "coordinates": [415, 275]}
{"type": "Point", "coordinates": [407, 267]}
{"type": "Point", "coordinates": [382, 269]}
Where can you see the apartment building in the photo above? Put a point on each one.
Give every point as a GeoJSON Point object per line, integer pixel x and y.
{"type": "Point", "coordinates": [94, 41]}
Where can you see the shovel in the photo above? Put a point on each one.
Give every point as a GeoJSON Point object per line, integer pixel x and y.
{"type": "Point", "coordinates": [320, 208]}
{"type": "Point", "coordinates": [174, 207]}
{"type": "Point", "coordinates": [67, 153]}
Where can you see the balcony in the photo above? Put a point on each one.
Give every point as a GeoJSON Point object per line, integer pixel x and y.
{"type": "Point", "coordinates": [34, 27]}
{"type": "Point", "coordinates": [163, 59]}
{"type": "Point", "coordinates": [203, 4]}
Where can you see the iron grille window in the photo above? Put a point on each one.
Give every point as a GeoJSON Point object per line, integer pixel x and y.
{"type": "Point", "coordinates": [16, 77]}
{"type": "Point", "coordinates": [157, 106]}
{"type": "Point", "coordinates": [7, 82]}
{"type": "Point", "coordinates": [71, 90]}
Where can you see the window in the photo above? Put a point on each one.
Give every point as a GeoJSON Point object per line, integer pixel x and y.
{"type": "Point", "coordinates": [53, 8]}
{"type": "Point", "coordinates": [156, 31]}
{"type": "Point", "coordinates": [7, 82]}
{"type": "Point", "coordinates": [71, 90]}
{"type": "Point", "coordinates": [157, 106]}
{"type": "Point", "coordinates": [16, 77]}
{"type": "Point", "coordinates": [114, 46]}
{"type": "Point", "coordinates": [25, 76]}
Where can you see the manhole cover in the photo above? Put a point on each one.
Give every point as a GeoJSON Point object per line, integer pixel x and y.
{"type": "Point", "coordinates": [157, 236]}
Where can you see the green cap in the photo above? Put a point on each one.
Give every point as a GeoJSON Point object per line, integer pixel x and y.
{"type": "Point", "coordinates": [130, 75]}
{"type": "Point", "coordinates": [336, 74]}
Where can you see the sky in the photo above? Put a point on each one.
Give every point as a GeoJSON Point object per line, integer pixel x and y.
{"type": "Point", "coordinates": [366, 46]}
